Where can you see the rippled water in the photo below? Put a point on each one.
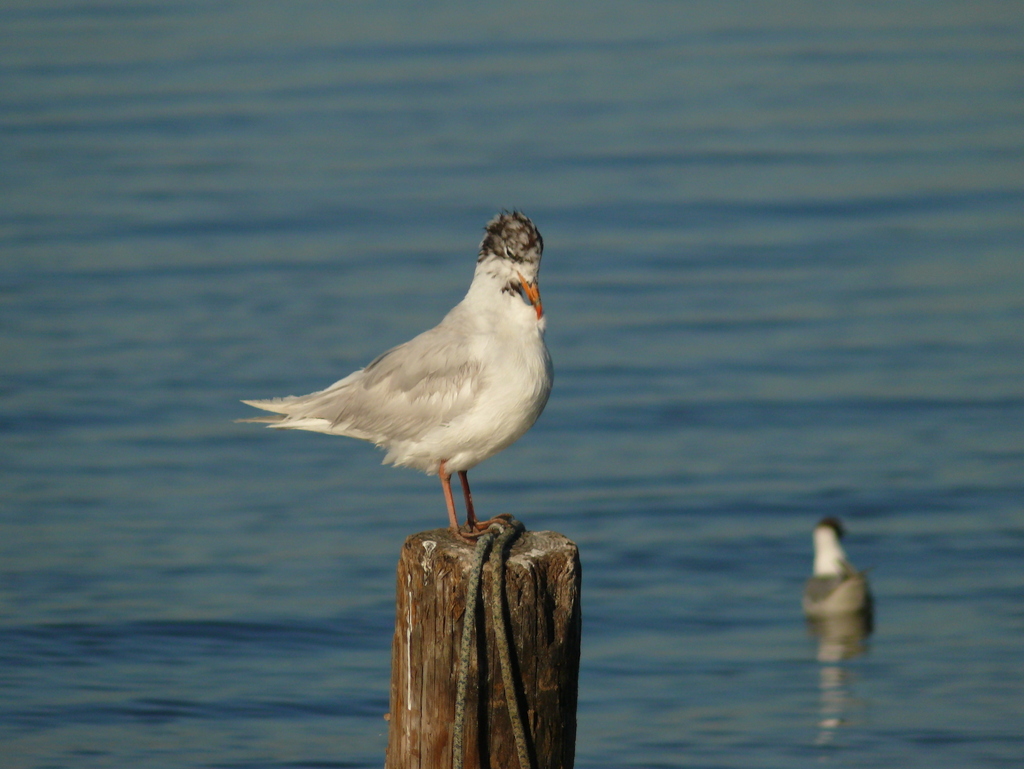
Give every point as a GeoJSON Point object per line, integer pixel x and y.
{"type": "Point", "coordinates": [783, 278]}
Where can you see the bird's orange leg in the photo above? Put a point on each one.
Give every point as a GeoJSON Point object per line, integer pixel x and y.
{"type": "Point", "coordinates": [446, 487]}
{"type": "Point", "coordinates": [468, 495]}
{"type": "Point", "coordinates": [474, 527]}
{"type": "Point", "coordinates": [453, 520]}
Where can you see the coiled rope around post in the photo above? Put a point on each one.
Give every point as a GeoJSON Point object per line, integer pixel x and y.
{"type": "Point", "coordinates": [504, 639]}
{"type": "Point", "coordinates": [502, 541]}
{"type": "Point", "coordinates": [483, 544]}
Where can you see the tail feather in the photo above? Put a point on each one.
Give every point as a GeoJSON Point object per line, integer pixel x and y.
{"type": "Point", "coordinates": [277, 405]}
{"type": "Point", "coordinates": [269, 420]}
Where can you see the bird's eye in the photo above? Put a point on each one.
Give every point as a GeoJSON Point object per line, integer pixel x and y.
{"type": "Point", "coordinates": [508, 252]}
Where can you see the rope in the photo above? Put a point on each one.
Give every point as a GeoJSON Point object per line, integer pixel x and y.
{"type": "Point", "coordinates": [483, 544]}
{"type": "Point", "coordinates": [502, 635]}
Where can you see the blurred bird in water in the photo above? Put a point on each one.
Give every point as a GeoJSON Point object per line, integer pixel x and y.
{"type": "Point", "coordinates": [836, 587]}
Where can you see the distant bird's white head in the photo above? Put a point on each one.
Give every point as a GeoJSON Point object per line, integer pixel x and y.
{"type": "Point", "coordinates": [829, 556]}
{"type": "Point", "coordinates": [510, 254]}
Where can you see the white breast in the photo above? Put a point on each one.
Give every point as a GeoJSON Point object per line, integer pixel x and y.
{"type": "Point", "coordinates": [512, 382]}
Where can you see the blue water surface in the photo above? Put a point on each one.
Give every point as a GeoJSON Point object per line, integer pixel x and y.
{"type": "Point", "coordinates": [783, 276]}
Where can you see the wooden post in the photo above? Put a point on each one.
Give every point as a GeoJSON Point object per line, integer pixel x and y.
{"type": "Point", "coordinates": [542, 576]}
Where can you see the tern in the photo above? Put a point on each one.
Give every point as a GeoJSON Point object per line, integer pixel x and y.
{"type": "Point", "coordinates": [457, 394]}
{"type": "Point", "coordinates": [836, 587]}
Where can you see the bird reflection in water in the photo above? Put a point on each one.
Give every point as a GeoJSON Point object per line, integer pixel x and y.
{"type": "Point", "coordinates": [840, 637]}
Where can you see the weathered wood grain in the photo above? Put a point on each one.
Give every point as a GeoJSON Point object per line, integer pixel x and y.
{"type": "Point", "coordinates": [543, 597]}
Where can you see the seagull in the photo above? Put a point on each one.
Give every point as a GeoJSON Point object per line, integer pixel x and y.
{"type": "Point", "coordinates": [836, 586]}
{"type": "Point", "coordinates": [457, 394]}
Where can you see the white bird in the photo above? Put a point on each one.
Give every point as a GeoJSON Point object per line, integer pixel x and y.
{"type": "Point", "coordinates": [459, 393]}
{"type": "Point", "coordinates": [836, 586]}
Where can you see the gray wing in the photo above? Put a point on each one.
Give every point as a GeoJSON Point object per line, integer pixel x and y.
{"type": "Point", "coordinates": [818, 589]}
{"type": "Point", "coordinates": [407, 391]}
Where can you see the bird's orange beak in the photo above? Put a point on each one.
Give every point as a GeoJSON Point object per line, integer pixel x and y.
{"type": "Point", "coordinates": [533, 294]}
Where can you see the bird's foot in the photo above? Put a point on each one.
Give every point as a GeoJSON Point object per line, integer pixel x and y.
{"type": "Point", "coordinates": [473, 530]}
{"type": "Point", "coordinates": [501, 519]}
{"type": "Point", "coordinates": [469, 537]}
